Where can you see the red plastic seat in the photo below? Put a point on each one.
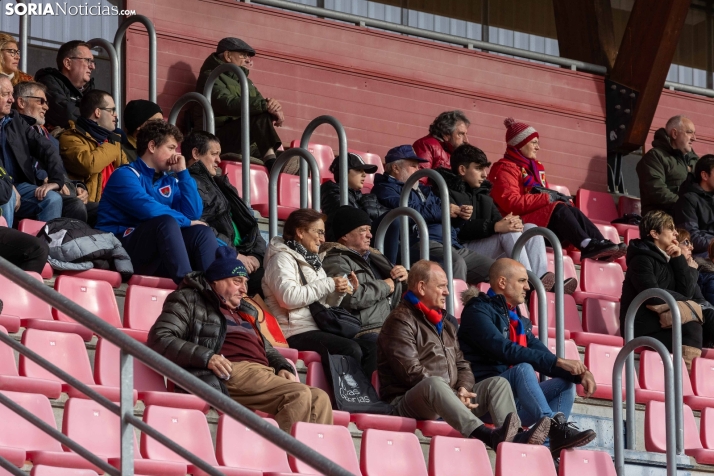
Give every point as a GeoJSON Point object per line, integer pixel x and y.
{"type": "Point", "coordinates": [569, 270]}
{"type": "Point", "coordinates": [572, 318]}
{"type": "Point", "coordinates": [459, 287]}
{"type": "Point", "coordinates": [291, 354]}
{"type": "Point", "coordinates": [571, 349]}
{"type": "Point", "coordinates": [143, 306]}
{"type": "Point", "coordinates": [631, 234]}
{"type": "Point", "coordinates": [458, 456]}
{"type": "Point", "coordinates": [702, 379]}
{"type": "Point", "coordinates": [31, 227]}
{"type": "Point", "coordinates": [3, 222]}
{"type": "Point", "coordinates": [20, 305]}
{"type": "Point", "coordinates": [366, 421]}
{"type": "Point", "coordinates": [189, 429]}
{"type": "Point", "coordinates": [599, 207]}
{"type": "Point", "coordinates": [111, 277]}
{"type": "Point", "coordinates": [308, 356]}
{"type": "Point", "coordinates": [149, 384]}
{"type": "Point", "coordinates": [560, 188]}
{"type": "Point", "coordinates": [391, 453]}
{"type": "Point", "coordinates": [600, 280]}
{"type": "Point", "coordinates": [332, 441]}
{"type": "Point", "coordinates": [95, 296]}
{"type": "Point", "coordinates": [66, 351]}
{"type": "Point", "coordinates": [602, 318]}
{"type": "Point", "coordinates": [706, 425]}
{"type": "Point", "coordinates": [152, 282]}
{"type": "Point", "coordinates": [260, 454]}
{"type": "Point", "coordinates": [316, 378]}
{"type": "Point", "coordinates": [432, 428]}
{"type": "Point", "coordinates": [513, 459]}
{"type": "Point", "coordinates": [600, 360]}
{"type": "Point", "coordinates": [323, 155]}
{"type": "Point", "coordinates": [289, 195]}
{"type": "Point", "coordinates": [42, 470]}
{"type": "Point", "coordinates": [629, 205]}
{"type": "Point", "coordinates": [259, 180]}
{"type": "Point", "coordinates": [586, 463]}
{"type": "Point", "coordinates": [656, 439]}
{"type": "Point", "coordinates": [652, 378]}
{"type": "Point", "coordinates": [11, 380]}
{"type": "Point", "coordinates": [369, 158]}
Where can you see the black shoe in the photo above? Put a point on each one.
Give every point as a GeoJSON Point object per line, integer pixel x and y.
{"type": "Point", "coordinates": [548, 280]}
{"type": "Point", "coordinates": [566, 435]}
{"type": "Point", "coordinates": [536, 435]}
{"type": "Point", "coordinates": [570, 285]}
{"type": "Point", "coordinates": [597, 249]}
{"type": "Point", "coordinates": [506, 432]}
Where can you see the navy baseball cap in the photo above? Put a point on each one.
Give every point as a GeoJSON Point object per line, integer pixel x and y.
{"type": "Point", "coordinates": [403, 152]}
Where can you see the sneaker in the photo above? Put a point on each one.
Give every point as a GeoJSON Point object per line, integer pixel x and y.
{"type": "Point", "coordinates": [597, 249]}
{"type": "Point", "coordinates": [567, 435]}
{"type": "Point", "coordinates": [570, 285]}
{"type": "Point", "coordinates": [536, 435]}
{"type": "Point", "coordinates": [548, 280]}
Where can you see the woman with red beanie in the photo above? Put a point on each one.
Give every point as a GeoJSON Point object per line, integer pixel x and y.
{"type": "Point", "coordinates": [520, 187]}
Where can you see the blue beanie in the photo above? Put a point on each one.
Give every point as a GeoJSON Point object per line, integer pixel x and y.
{"type": "Point", "coordinates": [226, 265]}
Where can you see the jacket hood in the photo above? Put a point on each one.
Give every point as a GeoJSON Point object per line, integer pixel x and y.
{"type": "Point", "coordinates": [705, 265]}
{"type": "Point", "coordinates": [384, 178]}
{"type": "Point", "coordinates": [332, 186]}
{"type": "Point", "coordinates": [691, 185]}
{"type": "Point", "coordinates": [639, 247]}
{"type": "Point", "coordinates": [338, 247]}
{"type": "Point", "coordinates": [453, 181]}
{"type": "Point", "coordinates": [55, 73]}
{"type": "Point", "coordinates": [29, 119]}
{"type": "Point", "coordinates": [661, 141]}
{"type": "Point", "coordinates": [213, 62]}
{"type": "Point", "coordinates": [470, 293]}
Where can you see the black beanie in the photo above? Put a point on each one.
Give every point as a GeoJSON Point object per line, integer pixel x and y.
{"type": "Point", "coordinates": [138, 112]}
{"type": "Point", "coordinates": [346, 219]}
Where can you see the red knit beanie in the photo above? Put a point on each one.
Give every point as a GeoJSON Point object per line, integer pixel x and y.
{"type": "Point", "coordinates": [518, 134]}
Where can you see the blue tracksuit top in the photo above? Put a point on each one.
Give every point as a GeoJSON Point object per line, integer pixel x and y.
{"type": "Point", "coordinates": [132, 197]}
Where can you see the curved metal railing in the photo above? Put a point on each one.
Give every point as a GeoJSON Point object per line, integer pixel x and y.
{"type": "Point", "coordinates": [118, 46]}
{"type": "Point", "coordinates": [305, 141]}
{"type": "Point", "coordinates": [115, 72]}
{"type": "Point", "coordinates": [208, 119]}
{"type": "Point", "coordinates": [420, 222]}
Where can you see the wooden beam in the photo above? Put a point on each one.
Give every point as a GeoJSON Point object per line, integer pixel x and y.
{"type": "Point", "coordinates": [644, 58]}
{"type": "Point", "coordinates": [586, 31]}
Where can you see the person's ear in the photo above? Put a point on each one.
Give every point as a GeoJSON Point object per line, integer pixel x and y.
{"type": "Point", "coordinates": [654, 234]}
{"type": "Point", "coordinates": [501, 282]}
{"type": "Point", "coordinates": [194, 153]}
{"type": "Point", "coordinates": [151, 146]}
{"type": "Point", "coordinates": [462, 170]}
{"type": "Point", "coordinates": [299, 233]}
{"type": "Point", "coordinates": [67, 63]}
{"type": "Point", "coordinates": [227, 56]}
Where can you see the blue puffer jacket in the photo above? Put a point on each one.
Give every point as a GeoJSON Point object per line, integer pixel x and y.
{"type": "Point", "coordinates": [132, 196]}
{"type": "Point", "coordinates": [483, 338]}
{"type": "Point", "coordinates": [706, 278]}
{"type": "Point", "coordinates": [387, 189]}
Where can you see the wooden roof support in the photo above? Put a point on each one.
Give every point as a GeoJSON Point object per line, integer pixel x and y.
{"type": "Point", "coordinates": [585, 31]}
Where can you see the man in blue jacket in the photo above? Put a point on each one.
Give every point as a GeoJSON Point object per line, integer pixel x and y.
{"type": "Point", "coordinates": [400, 163]}
{"type": "Point", "coordinates": [498, 341]}
{"type": "Point", "coordinates": [152, 205]}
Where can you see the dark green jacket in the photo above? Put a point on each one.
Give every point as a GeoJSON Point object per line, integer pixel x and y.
{"type": "Point", "coordinates": [225, 97]}
{"type": "Point", "coordinates": [661, 171]}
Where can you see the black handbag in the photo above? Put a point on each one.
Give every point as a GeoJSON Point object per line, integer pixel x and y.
{"type": "Point", "coordinates": [555, 195]}
{"type": "Point", "coordinates": [353, 391]}
{"type": "Point", "coordinates": [334, 320]}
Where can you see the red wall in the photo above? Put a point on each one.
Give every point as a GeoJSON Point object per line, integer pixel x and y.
{"type": "Point", "coordinates": [384, 88]}
{"type": "Point", "coordinates": [699, 109]}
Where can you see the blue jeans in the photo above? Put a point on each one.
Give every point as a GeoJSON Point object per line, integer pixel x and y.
{"type": "Point", "coordinates": [534, 399]}
{"type": "Point", "coordinates": [8, 209]}
{"type": "Point", "coordinates": [43, 210]}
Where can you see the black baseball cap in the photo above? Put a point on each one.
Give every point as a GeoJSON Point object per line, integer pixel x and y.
{"type": "Point", "coordinates": [354, 162]}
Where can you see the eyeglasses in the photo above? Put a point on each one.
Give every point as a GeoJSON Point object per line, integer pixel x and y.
{"type": "Point", "coordinates": [12, 52]}
{"type": "Point", "coordinates": [110, 110]}
{"type": "Point", "coordinates": [43, 101]}
{"type": "Point", "coordinates": [90, 61]}
{"type": "Point", "coordinates": [686, 243]}
{"type": "Point", "coordinates": [318, 231]}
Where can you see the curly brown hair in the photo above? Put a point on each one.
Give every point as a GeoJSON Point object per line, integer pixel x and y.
{"type": "Point", "coordinates": [156, 130]}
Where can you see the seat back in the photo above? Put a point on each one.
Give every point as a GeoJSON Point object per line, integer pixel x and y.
{"type": "Point", "coordinates": [3, 222]}
{"type": "Point", "coordinates": [95, 296]}
{"type": "Point", "coordinates": [260, 454]}
{"type": "Point", "coordinates": [258, 180]}
{"type": "Point", "coordinates": [514, 459]}
{"type": "Point", "coordinates": [572, 317]}
{"type": "Point", "coordinates": [652, 373]}
{"type": "Point", "coordinates": [106, 370]}
{"type": "Point", "coordinates": [459, 287]}
{"type": "Point", "coordinates": [65, 350]}
{"type": "Point", "coordinates": [571, 349]}
{"type": "Point", "coordinates": [609, 232]}
{"type": "Point", "coordinates": [391, 453]}
{"type": "Point", "coordinates": [31, 227]}
{"type": "Point", "coordinates": [629, 205]}
{"type": "Point", "coordinates": [42, 470]}
{"type": "Point", "coordinates": [16, 432]}
{"type": "Point", "coordinates": [569, 270]}
{"type": "Point", "coordinates": [703, 378]}
{"type": "Point", "coordinates": [332, 441]}
{"type": "Point", "coordinates": [600, 360]}
{"type": "Point", "coordinates": [631, 234]}
{"type": "Point", "coordinates": [7, 358]}
{"type": "Point", "coordinates": [143, 306]}
{"type": "Point", "coordinates": [289, 191]}
{"type": "Point", "coordinates": [706, 425]}
{"type": "Point", "coordinates": [21, 303]}
{"type": "Point", "coordinates": [323, 155]}
{"type": "Point", "coordinates": [373, 159]}
{"type": "Point", "coordinates": [187, 428]}
{"type": "Point", "coordinates": [586, 463]}
{"type": "Point", "coordinates": [656, 426]}
{"type": "Point", "coordinates": [602, 278]}
{"type": "Point", "coordinates": [560, 188]}
{"type": "Point", "coordinates": [316, 378]}
{"type": "Point", "coordinates": [601, 316]}
{"type": "Point", "coordinates": [458, 457]}
{"type": "Point", "coordinates": [94, 427]}
{"type": "Point", "coordinates": [596, 205]}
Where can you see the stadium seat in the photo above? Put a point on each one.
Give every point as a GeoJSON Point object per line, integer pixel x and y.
{"type": "Point", "coordinates": [142, 306]}
{"type": "Point", "coordinates": [560, 188]}
{"type": "Point", "coordinates": [316, 378]}
{"type": "Point", "coordinates": [42, 470]}
{"type": "Point", "coordinates": [366, 421]}
{"type": "Point", "coordinates": [369, 158]}
{"type": "Point", "coordinates": [289, 195]}
{"type": "Point", "coordinates": [458, 457]}
{"type": "Point", "coordinates": [31, 227]}
{"type": "Point", "coordinates": [3, 222]}
{"type": "Point", "coordinates": [706, 425]}
{"type": "Point", "coordinates": [260, 454]}
{"type": "Point", "coordinates": [95, 296]}
{"type": "Point", "coordinates": [571, 349]}
{"type": "Point", "coordinates": [702, 379]}
{"type": "Point", "coordinates": [66, 351]}
{"type": "Point", "coordinates": [600, 280]}
{"type": "Point", "coordinates": [189, 429]}
{"type": "Point", "coordinates": [291, 354]}
{"type": "Point", "coordinates": [569, 270]}
{"type": "Point", "coordinates": [600, 360]}
{"type": "Point", "coordinates": [331, 441]}
{"type": "Point", "coordinates": [149, 384]}
{"type": "Point", "coordinates": [631, 234]}
{"type": "Point", "coordinates": [308, 356]}
{"type": "Point", "coordinates": [259, 184]}
{"type": "Point", "coordinates": [652, 378]}
{"type": "Point", "coordinates": [602, 318]}
{"type": "Point", "coordinates": [586, 463]}
{"type": "Point", "coordinates": [152, 282]}
{"type": "Point", "coordinates": [656, 436]}
{"type": "Point", "coordinates": [572, 318]}
{"type": "Point", "coordinates": [391, 453]}
{"type": "Point", "coordinates": [111, 277]}
{"type": "Point", "coordinates": [431, 428]}
{"type": "Point", "coordinates": [459, 287]}
{"type": "Point", "coordinates": [323, 155]}
{"type": "Point", "coordinates": [629, 205]}
{"type": "Point", "coordinates": [610, 233]}
{"type": "Point", "coordinates": [11, 380]}
{"type": "Point", "coordinates": [513, 459]}
{"type": "Point", "coordinates": [600, 208]}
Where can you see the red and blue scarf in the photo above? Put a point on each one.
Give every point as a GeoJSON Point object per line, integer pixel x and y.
{"type": "Point", "coordinates": [516, 331]}
{"type": "Point", "coordinates": [532, 171]}
{"type": "Point", "coordinates": [435, 316]}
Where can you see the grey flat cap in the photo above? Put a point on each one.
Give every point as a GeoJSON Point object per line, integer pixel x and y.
{"type": "Point", "coordinates": [234, 44]}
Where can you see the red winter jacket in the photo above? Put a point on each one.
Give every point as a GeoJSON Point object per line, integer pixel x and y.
{"type": "Point", "coordinates": [432, 149]}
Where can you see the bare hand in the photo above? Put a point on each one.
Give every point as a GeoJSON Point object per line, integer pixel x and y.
{"type": "Point", "coordinates": [177, 163]}
{"type": "Point", "coordinates": [575, 367]}
{"type": "Point", "coordinates": [352, 278]}
{"type": "Point", "coordinates": [198, 222]}
{"type": "Point", "coordinates": [220, 366]}
{"type": "Point", "coordinates": [465, 396]}
{"type": "Point", "coordinates": [465, 212]}
{"type": "Point", "coordinates": [17, 198]}
{"type": "Point", "coordinates": [673, 250]}
{"type": "Point", "coordinates": [82, 195]}
{"type": "Point", "coordinates": [287, 375]}
{"type": "Point", "coordinates": [64, 190]}
{"type": "Point", "coordinates": [341, 284]}
{"type": "Point", "coordinates": [41, 191]}
{"type": "Point", "coordinates": [390, 283]}
{"type": "Point", "coordinates": [588, 383]}
{"type": "Point", "coordinates": [251, 263]}
{"type": "Point", "coordinates": [454, 210]}
{"type": "Point", "coordinates": [399, 273]}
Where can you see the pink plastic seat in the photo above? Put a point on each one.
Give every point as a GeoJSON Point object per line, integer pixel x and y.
{"type": "Point", "coordinates": [308, 356]}
{"type": "Point", "coordinates": [11, 380]}
{"type": "Point", "coordinates": [316, 378]}
{"type": "Point", "coordinates": [571, 349]}
{"type": "Point", "coordinates": [259, 180]}
{"type": "Point", "coordinates": [629, 205]}
{"type": "Point", "coordinates": [652, 378]}
{"type": "Point", "coordinates": [458, 456]}
{"type": "Point", "coordinates": [291, 354]}
{"type": "Point", "coordinates": [289, 195]}
{"type": "Point", "coordinates": [459, 287]}
{"type": "Point", "coordinates": [149, 384]}
{"type": "Point", "coordinates": [391, 453]}
{"type": "Point", "coordinates": [20, 305]}
{"type": "Point", "coordinates": [152, 282]}
{"type": "Point", "coordinates": [703, 380]}
{"type": "Point", "coordinates": [143, 306]}
{"type": "Point", "coordinates": [586, 463]}
{"type": "Point", "coordinates": [706, 425]}
{"type": "Point", "coordinates": [260, 454]}
{"type": "Point", "coordinates": [189, 429]}
{"type": "Point", "coordinates": [599, 207]}
{"type": "Point", "coordinates": [323, 155]}
{"type": "Point", "coordinates": [569, 270]}
{"type": "Point", "coordinates": [432, 428]}
{"type": "Point", "coordinates": [332, 441]}
{"type": "Point", "coordinates": [631, 234]}
{"type": "Point", "coordinates": [366, 421]}
{"type": "Point", "coordinates": [111, 277]}
{"type": "Point", "coordinates": [369, 158]}
{"type": "Point", "coordinates": [600, 280]}
{"type": "Point", "coordinates": [572, 318]}
{"type": "Point", "coordinates": [31, 227]}
{"type": "Point", "coordinates": [602, 318]}
{"type": "Point", "coordinates": [560, 188]}
{"type": "Point", "coordinates": [513, 459]}
{"type": "Point", "coordinates": [600, 360]}
{"type": "Point", "coordinates": [3, 222]}
{"type": "Point", "coordinates": [655, 433]}
{"type": "Point", "coordinates": [42, 470]}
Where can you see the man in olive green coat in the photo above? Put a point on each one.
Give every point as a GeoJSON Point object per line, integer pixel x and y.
{"type": "Point", "coordinates": [265, 113]}
{"type": "Point", "coordinates": [665, 166]}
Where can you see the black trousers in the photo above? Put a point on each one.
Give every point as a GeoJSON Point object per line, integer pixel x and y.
{"type": "Point", "coordinates": [362, 349]}
{"type": "Point", "coordinates": [708, 328]}
{"type": "Point", "coordinates": [571, 225]}
{"type": "Point", "coordinates": [24, 251]}
{"type": "Point", "coordinates": [262, 134]}
{"type": "Point", "coordinates": [72, 207]}
{"type": "Point", "coordinates": [692, 333]}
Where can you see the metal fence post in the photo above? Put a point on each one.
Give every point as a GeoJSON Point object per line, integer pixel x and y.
{"type": "Point", "coordinates": [116, 73]}
{"type": "Point", "coordinates": [393, 215]}
{"type": "Point", "coordinates": [208, 119]}
{"type": "Point", "coordinates": [151, 31]}
{"type": "Point", "coordinates": [24, 45]}
{"type": "Point", "coordinates": [342, 138]}
{"type": "Point", "coordinates": [126, 396]}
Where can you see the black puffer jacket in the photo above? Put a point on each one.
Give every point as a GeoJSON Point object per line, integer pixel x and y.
{"type": "Point", "coordinates": [221, 206]}
{"type": "Point", "coordinates": [330, 202]}
{"type": "Point", "coordinates": [191, 328]}
{"type": "Point", "coordinates": [694, 211]}
{"type": "Point", "coordinates": [63, 96]}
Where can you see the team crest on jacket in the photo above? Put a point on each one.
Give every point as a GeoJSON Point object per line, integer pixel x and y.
{"type": "Point", "coordinates": [165, 191]}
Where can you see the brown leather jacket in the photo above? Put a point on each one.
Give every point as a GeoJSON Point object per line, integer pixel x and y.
{"type": "Point", "coordinates": [409, 350]}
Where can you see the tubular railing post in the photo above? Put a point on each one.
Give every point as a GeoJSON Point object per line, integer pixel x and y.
{"type": "Point", "coordinates": [669, 403]}
{"type": "Point", "coordinates": [393, 215]}
{"type": "Point", "coordinates": [116, 73]}
{"type": "Point", "coordinates": [244, 118]}
{"type": "Point", "coordinates": [542, 308]}
{"type": "Point", "coordinates": [342, 138]}
{"type": "Point", "coordinates": [445, 225]}
{"type": "Point", "coordinates": [559, 305]}
{"type": "Point", "coordinates": [676, 358]}
{"type": "Point", "coordinates": [278, 166]}
{"type": "Point", "coordinates": [208, 119]}
{"type": "Point", "coordinates": [126, 389]}
{"type": "Point", "coordinates": [151, 31]}
{"type": "Point", "coordinates": [24, 45]}
{"type": "Point", "coordinates": [11, 468]}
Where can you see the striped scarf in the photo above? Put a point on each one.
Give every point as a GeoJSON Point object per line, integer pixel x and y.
{"type": "Point", "coordinates": [516, 332]}
{"type": "Point", "coordinates": [435, 316]}
{"type": "Point", "coordinates": [532, 174]}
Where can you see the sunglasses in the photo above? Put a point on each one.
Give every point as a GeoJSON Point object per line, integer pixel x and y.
{"type": "Point", "coordinates": [43, 101]}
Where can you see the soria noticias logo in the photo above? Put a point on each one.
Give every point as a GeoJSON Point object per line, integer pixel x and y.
{"type": "Point", "coordinates": [64, 8]}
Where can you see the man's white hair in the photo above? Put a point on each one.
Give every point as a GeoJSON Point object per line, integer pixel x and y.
{"type": "Point", "coordinates": [389, 167]}
{"type": "Point", "coordinates": [675, 123]}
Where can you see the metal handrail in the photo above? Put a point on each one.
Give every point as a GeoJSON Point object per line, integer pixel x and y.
{"type": "Point", "coordinates": [24, 45]}
{"type": "Point", "coordinates": [133, 348]}
{"type": "Point", "coordinates": [342, 138]}
{"type": "Point", "coordinates": [244, 118]}
{"type": "Point", "coordinates": [208, 118]}
{"type": "Point", "coordinates": [689, 89]}
{"type": "Point", "coordinates": [278, 166]}
{"type": "Point", "coordinates": [116, 72]}
{"type": "Point", "coordinates": [151, 31]}
{"type": "Point", "coordinates": [421, 224]}
{"type": "Point", "coordinates": [445, 225]}
{"type": "Point", "coordinates": [559, 291]}
{"type": "Point", "coordinates": [676, 357]}
{"type": "Point", "coordinates": [669, 403]}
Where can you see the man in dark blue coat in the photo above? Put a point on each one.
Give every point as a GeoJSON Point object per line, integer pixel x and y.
{"type": "Point", "coordinates": [498, 341]}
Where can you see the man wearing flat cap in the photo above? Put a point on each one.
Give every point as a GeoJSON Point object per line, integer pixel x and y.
{"type": "Point", "coordinates": [265, 113]}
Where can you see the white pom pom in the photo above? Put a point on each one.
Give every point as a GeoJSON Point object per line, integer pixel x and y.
{"type": "Point", "coordinates": [508, 122]}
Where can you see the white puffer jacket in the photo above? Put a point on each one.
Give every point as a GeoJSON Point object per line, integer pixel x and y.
{"type": "Point", "coordinates": [287, 298]}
